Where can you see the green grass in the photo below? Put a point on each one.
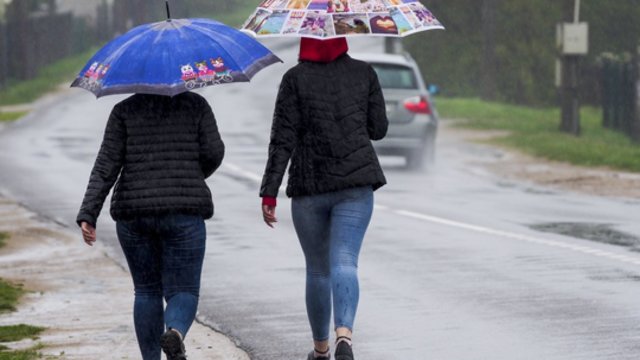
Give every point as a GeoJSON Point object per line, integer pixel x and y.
{"type": "Point", "coordinates": [11, 116]}
{"type": "Point", "coordinates": [18, 332]}
{"type": "Point", "coordinates": [9, 296]}
{"type": "Point", "coordinates": [535, 131]}
{"type": "Point", "coordinates": [27, 354]}
{"type": "Point", "coordinates": [237, 17]}
{"type": "Point", "coordinates": [63, 71]}
{"type": "Point", "coordinates": [3, 239]}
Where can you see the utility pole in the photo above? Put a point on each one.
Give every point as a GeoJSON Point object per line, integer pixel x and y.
{"type": "Point", "coordinates": [636, 124]}
{"type": "Point", "coordinates": [574, 43]}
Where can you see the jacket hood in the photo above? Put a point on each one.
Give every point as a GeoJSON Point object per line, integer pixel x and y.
{"type": "Point", "coordinates": [323, 51]}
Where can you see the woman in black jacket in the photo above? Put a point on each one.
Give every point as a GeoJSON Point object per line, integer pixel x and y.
{"type": "Point", "coordinates": [158, 150]}
{"type": "Point", "coordinates": [328, 110]}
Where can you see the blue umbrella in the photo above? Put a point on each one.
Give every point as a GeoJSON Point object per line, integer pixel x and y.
{"type": "Point", "coordinates": [174, 56]}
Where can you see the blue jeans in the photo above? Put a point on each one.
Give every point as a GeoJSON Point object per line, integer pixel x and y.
{"type": "Point", "coordinates": [165, 256]}
{"type": "Point", "coordinates": [331, 229]}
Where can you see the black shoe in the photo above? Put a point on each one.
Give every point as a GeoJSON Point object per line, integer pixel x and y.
{"type": "Point", "coordinates": [343, 349]}
{"type": "Point", "coordinates": [172, 345]}
{"type": "Point", "coordinates": [312, 355]}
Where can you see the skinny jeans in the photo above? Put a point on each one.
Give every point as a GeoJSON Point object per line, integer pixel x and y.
{"type": "Point", "coordinates": [331, 229]}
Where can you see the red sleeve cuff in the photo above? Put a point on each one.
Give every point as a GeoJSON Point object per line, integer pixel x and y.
{"type": "Point", "coordinates": [269, 201]}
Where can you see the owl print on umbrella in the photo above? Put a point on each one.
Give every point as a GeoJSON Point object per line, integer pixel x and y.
{"type": "Point", "coordinates": [203, 75]}
{"type": "Point", "coordinates": [324, 19]}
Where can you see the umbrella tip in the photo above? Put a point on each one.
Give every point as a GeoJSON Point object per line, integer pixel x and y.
{"type": "Point", "coordinates": [168, 10]}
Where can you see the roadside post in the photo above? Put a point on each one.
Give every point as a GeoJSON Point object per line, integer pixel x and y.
{"type": "Point", "coordinates": [573, 44]}
{"type": "Point", "coordinates": [635, 132]}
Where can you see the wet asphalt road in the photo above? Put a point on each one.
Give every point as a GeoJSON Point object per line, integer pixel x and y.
{"type": "Point", "coordinates": [457, 264]}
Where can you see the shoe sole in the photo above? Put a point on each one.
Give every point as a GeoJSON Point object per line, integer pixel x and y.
{"type": "Point", "coordinates": [172, 347]}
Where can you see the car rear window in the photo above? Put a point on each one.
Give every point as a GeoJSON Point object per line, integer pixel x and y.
{"type": "Point", "coordinates": [396, 76]}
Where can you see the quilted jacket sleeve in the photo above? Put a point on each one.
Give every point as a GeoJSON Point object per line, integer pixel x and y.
{"type": "Point", "coordinates": [105, 170]}
{"type": "Point", "coordinates": [286, 120]}
{"type": "Point", "coordinates": [211, 144]}
{"type": "Point", "coordinates": [377, 122]}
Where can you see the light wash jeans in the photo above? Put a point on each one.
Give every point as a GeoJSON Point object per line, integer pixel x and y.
{"type": "Point", "coordinates": [331, 228]}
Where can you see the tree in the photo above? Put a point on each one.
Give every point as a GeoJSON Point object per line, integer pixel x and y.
{"type": "Point", "coordinates": [522, 35]}
{"type": "Point", "coordinates": [489, 58]}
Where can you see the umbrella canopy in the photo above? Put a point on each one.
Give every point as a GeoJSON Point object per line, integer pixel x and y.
{"type": "Point", "coordinates": [174, 56]}
{"type": "Point", "coordinates": [324, 19]}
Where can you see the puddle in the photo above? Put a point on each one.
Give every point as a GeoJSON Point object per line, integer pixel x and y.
{"type": "Point", "coordinates": [507, 185]}
{"type": "Point", "coordinates": [602, 233]}
{"type": "Point", "coordinates": [70, 139]}
{"type": "Point", "coordinates": [536, 191]}
{"type": "Point", "coordinates": [616, 277]}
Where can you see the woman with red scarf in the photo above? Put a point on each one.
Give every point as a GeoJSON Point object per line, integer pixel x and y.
{"type": "Point", "coordinates": [329, 109]}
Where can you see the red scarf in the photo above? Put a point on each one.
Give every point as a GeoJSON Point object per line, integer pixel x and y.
{"type": "Point", "coordinates": [324, 51]}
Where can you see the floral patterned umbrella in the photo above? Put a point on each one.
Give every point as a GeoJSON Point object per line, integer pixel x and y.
{"type": "Point", "coordinates": [325, 19]}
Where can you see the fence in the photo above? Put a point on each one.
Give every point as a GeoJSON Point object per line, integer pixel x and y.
{"type": "Point", "coordinates": [4, 56]}
{"type": "Point", "coordinates": [620, 94]}
{"type": "Point", "coordinates": [29, 44]}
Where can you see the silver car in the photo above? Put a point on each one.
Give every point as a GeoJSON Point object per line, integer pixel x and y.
{"type": "Point", "coordinates": [413, 119]}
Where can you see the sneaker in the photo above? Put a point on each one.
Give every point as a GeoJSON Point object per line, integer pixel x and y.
{"type": "Point", "coordinates": [343, 349]}
{"type": "Point", "coordinates": [312, 355]}
{"type": "Point", "coordinates": [172, 345]}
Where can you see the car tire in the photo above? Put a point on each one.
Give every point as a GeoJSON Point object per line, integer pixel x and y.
{"type": "Point", "coordinates": [430, 149]}
{"type": "Point", "coordinates": [416, 158]}
{"type": "Point", "coordinates": [423, 156]}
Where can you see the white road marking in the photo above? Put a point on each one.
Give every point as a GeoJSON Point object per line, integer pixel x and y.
{"type": "Point", "coordinates": [476, 228]}
{"type": "Point", "coordinates": [520, 237]}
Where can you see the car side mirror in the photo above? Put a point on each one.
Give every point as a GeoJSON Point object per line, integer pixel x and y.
{"type": "Point", "coordinates": [433, 89]}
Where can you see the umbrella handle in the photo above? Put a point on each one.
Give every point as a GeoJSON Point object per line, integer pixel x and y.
{"type": "Point", "coordinates": [168, 10]}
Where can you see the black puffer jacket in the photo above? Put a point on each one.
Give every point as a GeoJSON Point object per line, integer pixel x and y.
{"type": "Point", "coordinates": [325, 118]}
{"type": "Point", "coordinates": [161, 150]}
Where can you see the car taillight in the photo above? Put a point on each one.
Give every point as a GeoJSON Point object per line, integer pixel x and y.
{"type": "Point", "coordinates": [418, 105]}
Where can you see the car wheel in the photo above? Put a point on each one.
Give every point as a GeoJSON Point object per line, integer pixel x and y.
{"type": "Point", "coordinates": [416, 158]}
{"type": "Point", "coordinates": [430, 149]}
{"type": "Point", "coordinates": [423, 156]}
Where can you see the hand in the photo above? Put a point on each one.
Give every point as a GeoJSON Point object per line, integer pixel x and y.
{"type": "Point", "coordinates": [88, 233]}
{"type": "Point", "coordinates": [269, 215]}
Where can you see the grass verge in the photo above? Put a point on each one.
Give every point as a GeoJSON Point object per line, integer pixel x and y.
{"type": "Point", "coordinates": [48, 79]}
{"type": "Point", "coordinates": [18, 332]}
{"type": "Point", "coordinates": [237, 17]}
{"type": "Point", "coordinates": [3, 239]}
{"type": "Point", "coordinates": [9, 296]}
{"type": "Point", "coordinates": [27, 354]}
{"type": "Point", "coordinates": [535, 131]}
{"type": "Point", "coordinates": [11, 116]}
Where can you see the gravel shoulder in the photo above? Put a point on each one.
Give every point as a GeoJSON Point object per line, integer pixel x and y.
{"type": "Point", "coordinates": [513, 165]}
{"type": "Point", "coordinates": [79, 294]}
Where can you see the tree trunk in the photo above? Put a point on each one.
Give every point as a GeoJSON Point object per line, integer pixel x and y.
{"type": "Point", "coordinates": [52, 7]}
{"type": "Point", "coordinates": [489, 59]}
